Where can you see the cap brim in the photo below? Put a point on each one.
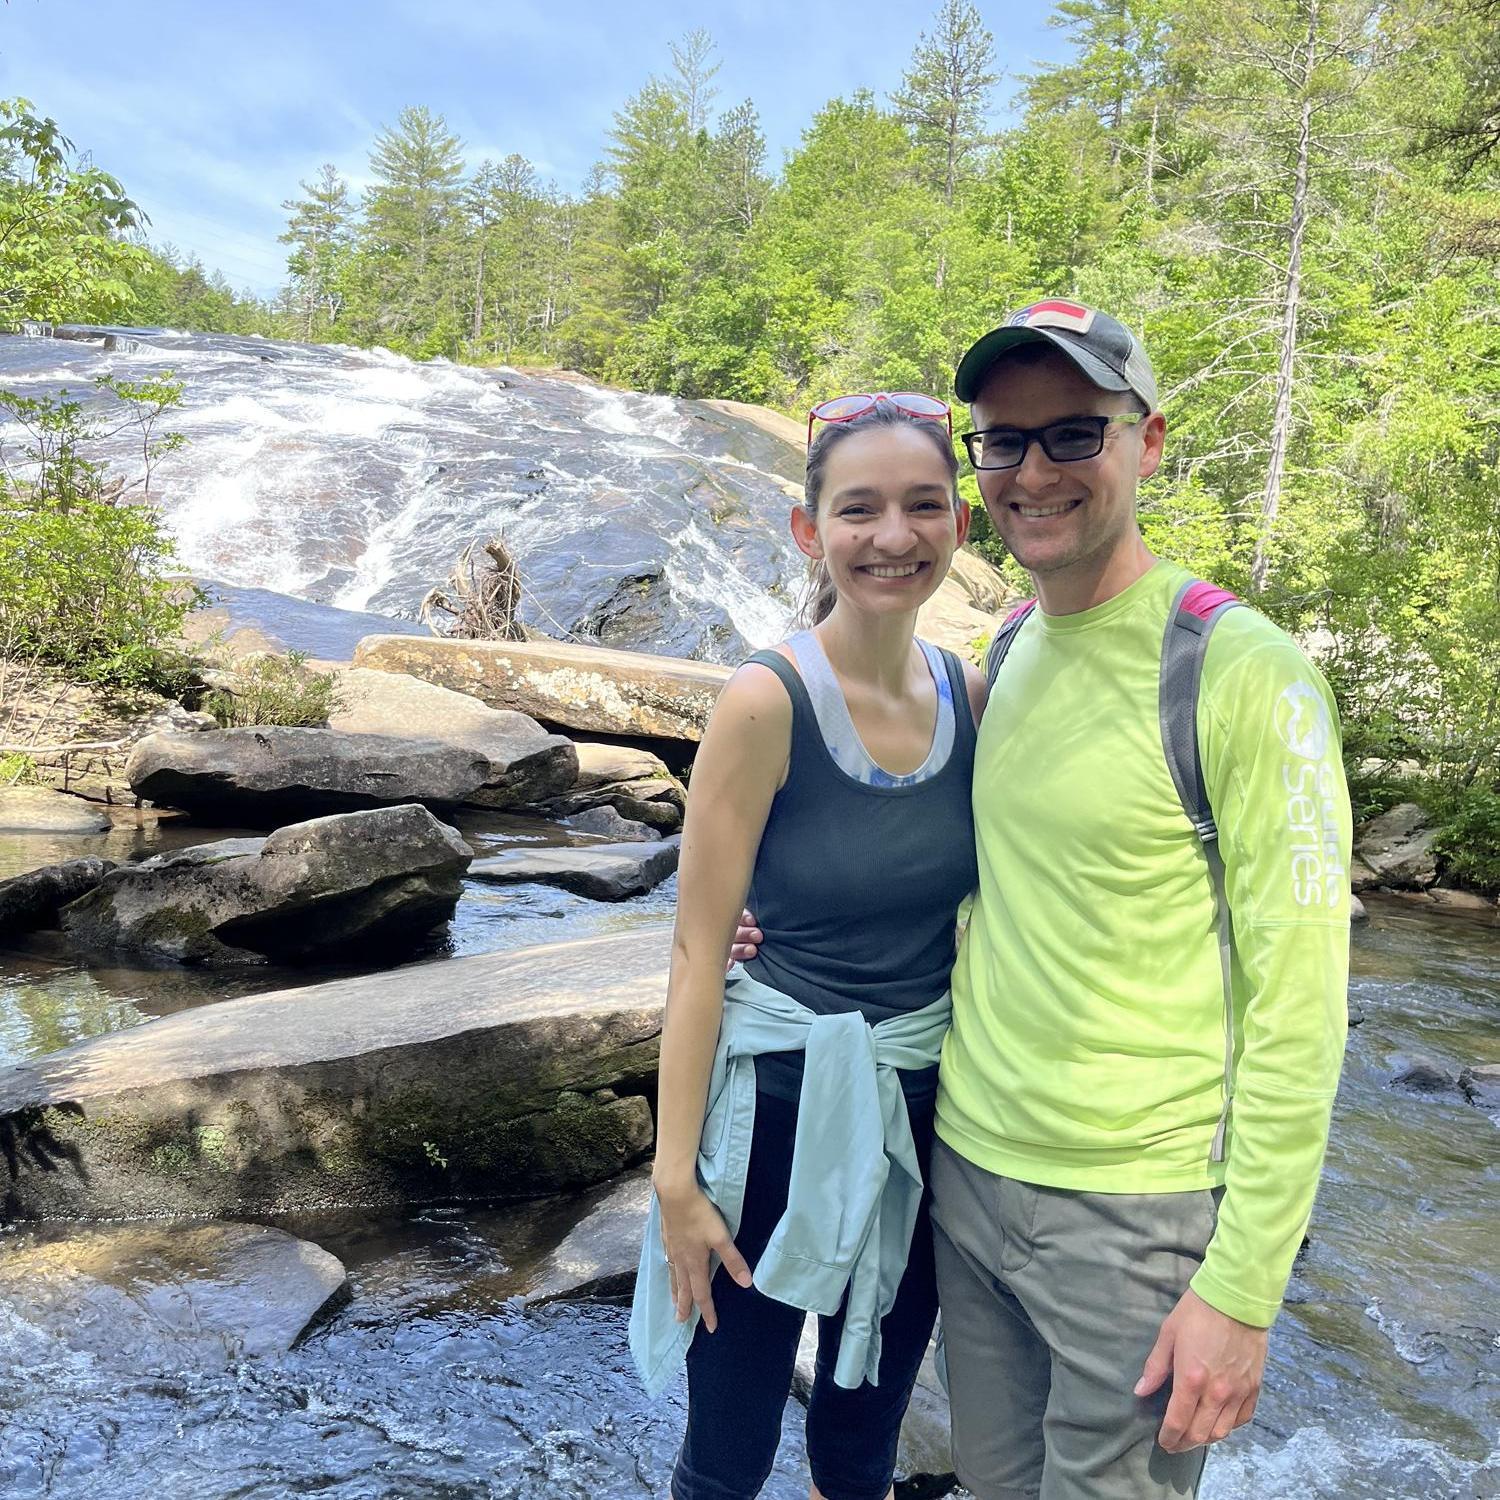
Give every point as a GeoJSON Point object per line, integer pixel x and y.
{"type": "Point", "coordinates": [968, 379]}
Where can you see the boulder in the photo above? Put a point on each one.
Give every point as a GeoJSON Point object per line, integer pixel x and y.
{"type": "Point", "coordinates": [1357, 912]}
{"type": "Point", "coordinates": [271, 774]}
{"type": "Point", "coordinates": [1425, 1077]}
{"type": "Point", "coordinates": [35, 898]}
{"type": "Point", "coordinates": [498, 1075]}
{"type": "Point", "coordinates": [1397, 848]}
{"type": "Point", "coordinates": [600, 764]}
{"type": "Point", "coordinates": [599, 1255]}
{"type": "Point", "coordinates": [38, 809]}
{"type": "Point", "coordinates": [607, 823]}
{"type": "Point", "coordinates": [581, 687]}
{"type": "Point", "coordinates": [1361, 876]}
{"type": "Point", "coordinates": [178, 1297]}
{"type": "Point", "coordinates": [635, 783]}
{"type": "Point", "coordinates": [1481, 1085]}
{"type": "Point", "coordinates": [527, 764]}
{"type": "Point", "coordinates": [604, 872]}
{"type": "Point", "coordinates": [384, 877]}
{"type": "Point", "coordinates": [654, 801]}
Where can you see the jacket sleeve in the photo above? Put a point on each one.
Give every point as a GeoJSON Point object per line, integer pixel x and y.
{"type": "Point", "coordinates": [1269, 738]}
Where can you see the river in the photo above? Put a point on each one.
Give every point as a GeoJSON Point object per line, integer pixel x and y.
{"type": "Point", "coordinates": [1384, 1376]}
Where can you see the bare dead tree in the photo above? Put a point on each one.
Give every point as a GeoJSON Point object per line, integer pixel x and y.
{"type": "Point", "coordinates": [481, 597]}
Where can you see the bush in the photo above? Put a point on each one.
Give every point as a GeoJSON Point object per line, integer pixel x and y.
{"type": "Point", "coordinates": [1468, 839]}
{"type": "Point", "coordinates": [275, 690]}
{"type": "Point", "coordinates": [83, 554]}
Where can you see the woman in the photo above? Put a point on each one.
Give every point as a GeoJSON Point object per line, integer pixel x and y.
{"type": "Point", "coordinates": [832, 787]}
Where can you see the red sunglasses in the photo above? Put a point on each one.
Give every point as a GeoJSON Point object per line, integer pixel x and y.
{"type": "Point", "coordinates": [847, 408]}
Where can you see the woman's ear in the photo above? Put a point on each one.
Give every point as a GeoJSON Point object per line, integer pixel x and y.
{"type": "Point", "coordinates": [805, 533]}
{"type": "Point", "coordinates": [962, 517]}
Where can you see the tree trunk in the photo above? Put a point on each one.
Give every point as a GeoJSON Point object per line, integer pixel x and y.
{"type": "Point", "coordinates": [1281, 422]}
{"type": "Point", "coordinates": [1151, 153]}
{"type": "Point", "coordinates": [476, 330]}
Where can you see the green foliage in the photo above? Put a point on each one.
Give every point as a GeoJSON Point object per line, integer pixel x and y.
{"type": "Point", "coordinates": [274, 690]}
{"type": "Point", "coordinates": [61, 222]}
{"type": "Point", "coordinates": [1468, 839]}
{"type": "Point", "coordinates": [18, 769]}
{"type": "Point", "coordinates": [83, 555]}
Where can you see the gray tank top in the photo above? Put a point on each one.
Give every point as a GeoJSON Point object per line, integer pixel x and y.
{"type": "Point", "coordinates": [857, 886]}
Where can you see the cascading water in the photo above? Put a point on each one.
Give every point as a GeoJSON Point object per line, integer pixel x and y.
{"type": "Point", "coordinates": [355, 478]}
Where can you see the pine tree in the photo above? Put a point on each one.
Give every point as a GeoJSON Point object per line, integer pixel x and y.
{"type": "Point", "coordinates": [945, 93]}
{"type": "Point", "coordinates": [320, 232]}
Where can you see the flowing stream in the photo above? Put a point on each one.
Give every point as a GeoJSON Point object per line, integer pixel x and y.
{"type": "Point", "coordinates": [355, 478]}
{"type": "Point", "coordinates": [1384, 1381]}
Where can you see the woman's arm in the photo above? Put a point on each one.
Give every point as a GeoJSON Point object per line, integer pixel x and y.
{"type": "Point", "coordinates": [739, 765]}
{"type": "Point", "coordinates": [979, 690]}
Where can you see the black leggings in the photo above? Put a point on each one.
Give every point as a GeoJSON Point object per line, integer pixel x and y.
{"type": "Point", "coordinates": [739, 1377]}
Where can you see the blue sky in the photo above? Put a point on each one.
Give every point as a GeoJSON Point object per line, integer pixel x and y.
{"type": "Point", "coordinates": [210, 112]}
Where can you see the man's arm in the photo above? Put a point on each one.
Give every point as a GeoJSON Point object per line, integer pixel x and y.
{"type": "Point", "coordinates": [1269, 739]}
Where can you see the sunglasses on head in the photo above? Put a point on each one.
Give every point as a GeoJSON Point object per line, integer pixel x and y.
{"type": "Point", "coordinates": [847, 408]}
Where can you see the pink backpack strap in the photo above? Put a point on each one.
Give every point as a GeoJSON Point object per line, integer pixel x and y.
{"type": "Point", "coordinates": [1000, 646]}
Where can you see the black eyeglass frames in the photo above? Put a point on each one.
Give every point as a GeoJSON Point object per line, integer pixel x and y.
{"type": "Point", "coordinates": [1063, 442]}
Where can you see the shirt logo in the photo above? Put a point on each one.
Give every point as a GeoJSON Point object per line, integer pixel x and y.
{"type": "Point", "coordinates": [1302, 721]}
{"type": "Point", "coordinates": [1056, 313]}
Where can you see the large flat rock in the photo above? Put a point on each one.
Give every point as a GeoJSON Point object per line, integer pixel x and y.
{"type": "Point", "coordinates": [603, 872]}
{"type": "Point", "coordinates": [38, 809]}
{"type": "Point", "coordinates": [527, 764]}
{"type": "Point", "coordinates": [582, 687]}
{"type": "Point", "coordinates": [501, 1074]}
{"type": "Point", "coordinates": [274, 774]}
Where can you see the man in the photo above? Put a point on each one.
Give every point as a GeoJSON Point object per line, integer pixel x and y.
{"type": "Point", "coordinates": [1117, 1198]}
{"type": "Point", "coordinates": [1130, 1123]}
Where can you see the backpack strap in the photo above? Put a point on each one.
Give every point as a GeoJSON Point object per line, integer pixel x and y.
{"type": "Point", "coordinates": [1195, 611]}
{"type": "Point", "coordinates": [1000, 646]}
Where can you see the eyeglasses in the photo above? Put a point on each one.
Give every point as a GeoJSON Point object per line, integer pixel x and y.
{"type": "Point", "coordinates": [1063, 442]}
{"type": "Point", "coordinates": [847, 408]}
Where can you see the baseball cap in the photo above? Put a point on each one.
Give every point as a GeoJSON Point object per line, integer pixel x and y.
{"type": "Point", "coordinates": [1102, 347]}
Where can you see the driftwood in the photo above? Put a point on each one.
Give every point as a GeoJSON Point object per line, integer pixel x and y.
{"type": "Point", "coordinates": [480, 597]}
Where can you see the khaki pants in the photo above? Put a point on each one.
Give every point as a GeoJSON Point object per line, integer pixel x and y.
{"type": "Point", "coordinates": [1051, 1301]}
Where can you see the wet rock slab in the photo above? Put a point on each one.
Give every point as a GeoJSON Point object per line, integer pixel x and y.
{"type": "Point", "coordinates": [589, 688]}
{"type": "Point", "coordinates": [603, 872]}
{"type": "Point", "coordinates": [178, 1296]}
{"type": "Point", "coordinates": [485, 1077]}
{"type": "Point", "coordinates": [38, 809]}
{"type": "Point", "coordinates": [1397, 848]}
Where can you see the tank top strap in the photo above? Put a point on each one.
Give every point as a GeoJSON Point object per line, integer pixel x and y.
{"type": "Point", "coordinates": [791, 680]}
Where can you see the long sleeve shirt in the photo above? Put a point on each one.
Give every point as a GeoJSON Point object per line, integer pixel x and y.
{"type": "Point", "coordinates": [1088, 1048]}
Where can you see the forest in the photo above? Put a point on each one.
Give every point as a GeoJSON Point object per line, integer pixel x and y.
{"type": "Point", "coordinates": [1296, 203]}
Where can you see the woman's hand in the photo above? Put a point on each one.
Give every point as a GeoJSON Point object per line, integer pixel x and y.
{"type": "Point", "coordinates": [692, 1229]}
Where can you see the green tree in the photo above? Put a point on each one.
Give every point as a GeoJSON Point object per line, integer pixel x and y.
{"type": "Point", "coordinates": [62, 254]}
{"type": "Point", "coordinates": [945, 92]}
{"type": "Point", "coordinates": [320, 231]}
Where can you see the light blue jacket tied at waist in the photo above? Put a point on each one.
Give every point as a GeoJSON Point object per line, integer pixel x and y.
{"type": "Point", "coordinates": [856, 1185]}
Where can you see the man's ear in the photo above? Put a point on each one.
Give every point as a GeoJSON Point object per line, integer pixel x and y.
{"type": "Point", "coordinates": [963, 517]}
{"type": "Point", "coordinates": [1153, 438]}
{"type": "Point", "coordinates": [805, 533]}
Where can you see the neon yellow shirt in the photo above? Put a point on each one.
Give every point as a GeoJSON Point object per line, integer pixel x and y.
{"type": "Point", "coordinates": [1088, 1048]}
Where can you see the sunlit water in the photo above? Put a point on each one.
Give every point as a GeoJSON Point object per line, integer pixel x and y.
{"type": "Point", "coordinates": [357, 477]}
{"type": "Point", "coordinates": [1384, 1378]}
